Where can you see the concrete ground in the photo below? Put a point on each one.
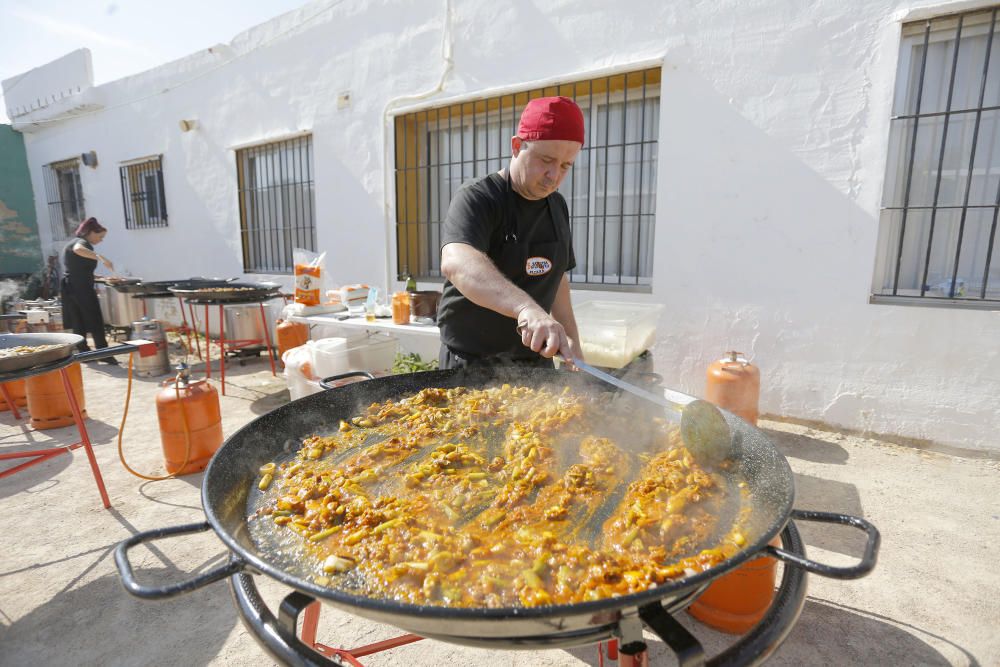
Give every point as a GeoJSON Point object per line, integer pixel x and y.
{"type": "Point", "coordinates": [934, 598]}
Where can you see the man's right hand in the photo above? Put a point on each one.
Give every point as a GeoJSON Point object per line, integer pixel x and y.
{"type": "Point", "coordinates": [542, 333]}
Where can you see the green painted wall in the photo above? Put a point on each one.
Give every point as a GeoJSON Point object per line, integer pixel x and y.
{"type": "Point", "coordinates": [20, 247]}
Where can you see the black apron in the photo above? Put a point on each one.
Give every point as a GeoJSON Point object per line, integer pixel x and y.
{"type": "Point", "coordinates": [473, 335]}
{"type": "Point", "coordinates": [80, 308]}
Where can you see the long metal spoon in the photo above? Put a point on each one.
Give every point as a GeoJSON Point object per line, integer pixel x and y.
{"type": "Point", "coordinates": [703, 428]}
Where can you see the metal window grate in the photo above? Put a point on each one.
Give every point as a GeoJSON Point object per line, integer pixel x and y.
{"type": "Point", "coordinates": [941, 198]}
{"type": "Point", "coordinates": [611, 190]}
{"type": "Point", "coordinates": [143, 197]}
{"type": "Point", "coordinates": [64, 197]}
{"type": "Point", "coordinates": [276, 203]}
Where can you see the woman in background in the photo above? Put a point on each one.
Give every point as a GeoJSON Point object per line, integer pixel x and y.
{"type": "Point", "coordinates": [81, 311]}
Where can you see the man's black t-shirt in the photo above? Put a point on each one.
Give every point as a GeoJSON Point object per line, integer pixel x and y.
{"type": "Point", "coordinates": [530, 243]}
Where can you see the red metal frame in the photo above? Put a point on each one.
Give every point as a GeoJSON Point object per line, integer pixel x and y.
{"type": "Point", "coordinates": [234, 344]}
{"type": "Point", "coordinates": [40, 455]}
{"type": "Point", "coordinates": [310, 622]}
{"type": "Point", "coordinates": [9, 400]}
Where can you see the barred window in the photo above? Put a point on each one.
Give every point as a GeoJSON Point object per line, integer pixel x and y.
{"type": "Point", "coordinates": [64, 197]}
{"type": "Point", "coordinates": [611, 189]}
{"type": "Point", "coordinates": [276, 203]}
{"type": "Point", "coordinates": [142, 194]}
{"type": "Point", "coordinates": [938, 223]}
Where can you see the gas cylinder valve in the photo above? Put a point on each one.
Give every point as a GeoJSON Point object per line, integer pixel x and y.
{"type": "Point", "coordinates": [183, 374]}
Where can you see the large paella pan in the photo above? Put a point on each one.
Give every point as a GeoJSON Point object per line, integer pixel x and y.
{"type": "Point", "coordinates": [347, 431]}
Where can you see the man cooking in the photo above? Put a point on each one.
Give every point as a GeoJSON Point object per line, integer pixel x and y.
{"type": "Point", "coordinates": [506, 250]}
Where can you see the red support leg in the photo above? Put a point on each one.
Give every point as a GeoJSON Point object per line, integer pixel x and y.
{"type": "Point", "coordinates": [10, 401]}
{"type": "Point", "coordinates": [267, 336]}
{"type": "Point", "coordinates": [310, 621]}
{"type": "Point", "coordinates": [187, 331]}
{"type": "Point", "coordinates": [222, 346]}
{"type": "Point", "coordinates": [84, 437]}
{"type": "Point", "coordinates": [208, 347]}
{"type": "Point", "coordinates": [194, 328]}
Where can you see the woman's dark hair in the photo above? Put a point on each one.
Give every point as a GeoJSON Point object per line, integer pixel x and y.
{"type": "Point", "coordinates": [89, 225]}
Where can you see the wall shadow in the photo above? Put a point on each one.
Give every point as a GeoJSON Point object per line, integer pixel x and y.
{"type": "Point", "coordinates": [794, 445]}
{"type": "Point", "coordinates": [824, 495]}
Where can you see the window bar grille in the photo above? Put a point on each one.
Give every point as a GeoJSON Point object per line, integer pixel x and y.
{"type": "Point", "coordinates": [621, 198]}
{"type": "Point", "coordinates": [642, 169]}
{"type": "Point", "coordinates": [474, 139]}
{"type": "Point", "coordinates": [293, 194]}
{"type": "Point", "coordinates": [455, 149]}
{"type": "Point", "coordinates": [266, 192]}
{"type": "Point", "coordinates": [572, 198]}
{"type": "Point", "coordinates": [425, 246]}
{"type": "Point", "coordinates": [406, 197]}
{"type": "Point", "coordinates": [275, 202]}
{"type": "Point", "coordinates": [909, 169]}
{"type": "Point", "coordinates": [144, 206]}
{"type": "Point", "coordinates": [126, 196]}
{"type": "Point", "coordinates": [944, 144]}
{"type": "Point", "coordinates": [989, 248]}
{"type": "Point", "coordinates": [972, 154]}
{"type": "Point", "coordinates": [277, 228]}
{"type": "Point", "coordinates": [311, 199]}
{"type": "Point", "coordinates": [935, 114]}
{"type": "Point", "coordinates": [607, 170]}
{"type": "Point", "coordinates": [590, 170]}
{"type": "Point", "coordinates": [500, 150]}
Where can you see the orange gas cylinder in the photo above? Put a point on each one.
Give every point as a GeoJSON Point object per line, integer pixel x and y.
{"type": "Point", "coordinates": [735, 602]}
{"type": "Point", "coordinates": [733, 383]}
{"type": "Point", "coordinates": [200, 418]}
{"type": "Point", "coordinates": [290, 334]}
{"type": "Point", "coordinates": [17, 394]}
{"type": "Point", "coordinates": [46, 398]}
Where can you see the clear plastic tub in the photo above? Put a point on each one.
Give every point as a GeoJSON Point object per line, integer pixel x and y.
{"type": "Point", "coordinates": [613, 333]}
{"type": "Point", "coordinates": [333, 356]}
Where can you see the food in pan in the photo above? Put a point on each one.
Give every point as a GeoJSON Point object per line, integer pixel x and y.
{"type": "Point", "coordinates": [226, 289]}
{"type": "Point", "coordinates": [23, 350]}
{"type": "Point", "coordinates": [498, 497]}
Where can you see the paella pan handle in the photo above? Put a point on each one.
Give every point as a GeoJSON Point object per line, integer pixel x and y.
{"type": "Point", "coordinates": [277, 635]}
{"type": "Point", "coordinates": [325, 382]}
{"type": "Point", "coordinates": [158, 592]}
{"type": "Point", "coordinates": [863, 567]}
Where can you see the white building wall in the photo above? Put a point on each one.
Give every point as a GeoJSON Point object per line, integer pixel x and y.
{"type": "Point", "coordinates": [773, 139]}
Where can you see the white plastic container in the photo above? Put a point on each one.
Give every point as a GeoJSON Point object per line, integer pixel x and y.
{"type": "Point", "coordinates": [372, 352]}
{"type": "Point", "coordinates": [298, 375]}
{"type": "Point", "coordinates": [612, 333]}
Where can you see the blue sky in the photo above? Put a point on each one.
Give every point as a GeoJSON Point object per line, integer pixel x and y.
{"type": "Point", "coordinates": [124, 37]}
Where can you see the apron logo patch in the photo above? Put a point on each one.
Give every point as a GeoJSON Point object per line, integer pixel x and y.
{"type": "Point", "coordinates": [537, 266]}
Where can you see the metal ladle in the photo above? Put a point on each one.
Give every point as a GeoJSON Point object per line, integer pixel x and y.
{"type": "Point", "coordinates": [703, 428]}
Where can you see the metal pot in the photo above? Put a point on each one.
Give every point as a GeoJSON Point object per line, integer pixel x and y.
{"type": "Point", "coordinates": [242, 320]}
{"type": "Point", "coordinates": [120, 309]}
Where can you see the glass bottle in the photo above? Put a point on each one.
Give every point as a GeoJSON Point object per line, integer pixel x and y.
{"type": "Point", "coordinates": [411, 283]}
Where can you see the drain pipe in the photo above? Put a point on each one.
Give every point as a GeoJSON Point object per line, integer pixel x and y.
{"type": "Point", "coordinates": [388, 184]}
